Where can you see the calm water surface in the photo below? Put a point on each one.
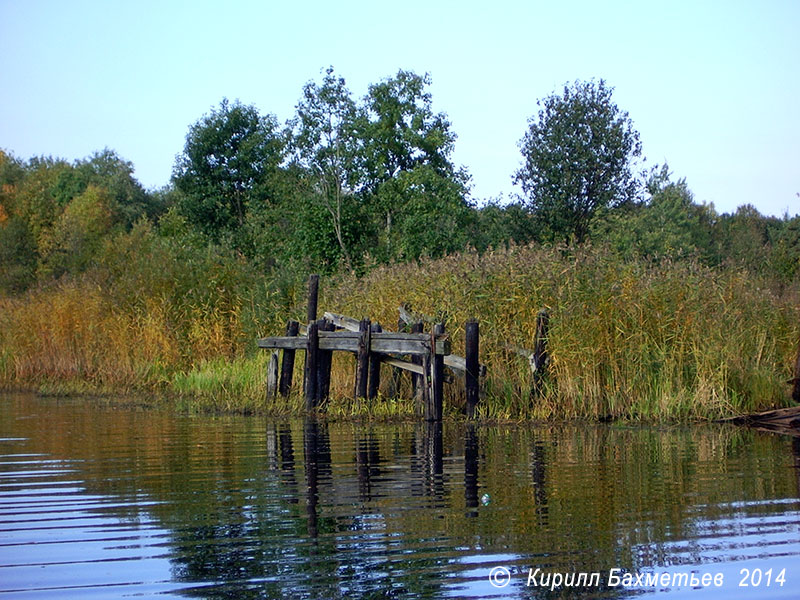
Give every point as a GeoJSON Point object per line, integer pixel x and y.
{"type": "Point", "coordinates": [103, 502]}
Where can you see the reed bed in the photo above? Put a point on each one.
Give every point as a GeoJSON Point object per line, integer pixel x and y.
{"type": "Point", "coordinates": [631, 339]}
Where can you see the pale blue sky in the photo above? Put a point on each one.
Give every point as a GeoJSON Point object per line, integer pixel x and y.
{"type": "Point", "coordinates": [712, 87]}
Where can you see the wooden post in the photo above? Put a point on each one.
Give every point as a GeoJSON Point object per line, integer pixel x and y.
{"type": "Point", "coordinates": [472, 380]}
{"type": "Point", "coordinates": [362, 359]}
{"type": "Point", "coordinates": [311, 315]}
{"type": "Point", "coordinates": [374, 367]}
{"type": "Point", "coordinates": [312, 361]}
{"type": "Point", "coordinates": [324, 368]}
{"type": "Point", "coordinates": [540, 357]}
{"type": "Point", "coordinates": [796, 379]}
{"type": "Point", "coordinates": [272, 376]}
{"type": "Point", "coordinates": [433, 407]}
{"type": "Point", "coordinates": [419, 383]}
{"type": "Point", "coordinates": [287, 366]}
{"type": "Point", "coordinates": [313, 295]}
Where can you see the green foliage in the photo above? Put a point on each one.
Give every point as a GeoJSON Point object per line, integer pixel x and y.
{"type": "Point", "coordinates": [226, 166]}
{"type": "Point", "coordinates": [18, 256]}
{"type": "Point", "coordinates": [329, 150]}
{"type": "Point", "coordinates": [577, 159]}
{"type": "Point", "coordinates": [73, 241]}
{"type": "Point", "coordinates": [411, 185]}
{"type": "Point", "coordinates": [497, 225]}
{"type": "Point", "coordinates": [669, 225]}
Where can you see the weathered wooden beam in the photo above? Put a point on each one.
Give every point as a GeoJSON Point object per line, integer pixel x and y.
{"type": "Point", "coordinates": [272, 376]}
{"type": "Point", "coordinates": [387, 342]}
{"type": "Point", "coordinates": [283, 343]}
{"type": "Point", "coordinates": [458, 364]}
{"type": "Point", "coordinates": [342, 321]}
{"type": "Point", "coordinates": [401, 364]}
{"type": "Point", "coordinates": [472, 375]}
{"type": "Point", "coordinates": [287, 366]}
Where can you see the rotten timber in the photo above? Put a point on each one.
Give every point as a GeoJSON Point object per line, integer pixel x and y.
{"type": "Point", "coordinates": [387, 342]}
{"type": "Point", "coordinates": [781, 420]}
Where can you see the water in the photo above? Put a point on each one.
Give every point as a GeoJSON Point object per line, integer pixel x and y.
{"type": "Point", "coordinates": [105, 502]}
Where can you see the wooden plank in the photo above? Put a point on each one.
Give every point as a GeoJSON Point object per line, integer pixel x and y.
{"type": "Point", "coordinates": [401, 364]}
{"type": "Point", "coordinates": [272, 376]}
{"type": "Point", "coordinates": [391, 342]}
{"type": "Point", "coordinates": [342, 321]}
{"type": "Point", "coordinates": [283, 343]}
{"type": "Point", "coordinates": [458, 364]}
{"type": "Point", "coordinates": [388, 342]}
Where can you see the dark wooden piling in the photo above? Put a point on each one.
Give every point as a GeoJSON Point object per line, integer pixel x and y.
{"type": "Point", "coordinates": [795, 381]}
{"type": "Point", "coordinates": [311, 316]}
{"type": "Point", "coordinates": [472, 375]}
{"type": "Point", "coordinates": [362, 359]}
{"type": "Point", "coordinates": [374, 368]}
{"type": "Point", "coordinates": [433, 406]}
{"type": "Point", "coordinates": [324, 367]}
{"type": "Point", "coordinates": [312, 361]}
{"type": "Point", "coordinates": [313, 296]}
{"type": "Point", "coordinates": [540, 357]}
{"type": "Point", "coordinates": [287, 366]}
{"type": "Point", "coordinates": [419, 383]}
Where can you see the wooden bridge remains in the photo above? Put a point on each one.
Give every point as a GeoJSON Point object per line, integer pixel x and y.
{"type": "Point", "coordinates": [424, 355]}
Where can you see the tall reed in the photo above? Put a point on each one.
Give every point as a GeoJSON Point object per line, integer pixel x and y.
{"type": "Point", "coordinates": [627, 338]}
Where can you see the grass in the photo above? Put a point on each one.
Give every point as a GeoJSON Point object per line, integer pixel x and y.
{"type": "Point", "coordinates": [628, 339]}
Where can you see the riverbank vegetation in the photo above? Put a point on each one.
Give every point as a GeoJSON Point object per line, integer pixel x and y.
{"type": "Point", "coordinates": [660, 306]}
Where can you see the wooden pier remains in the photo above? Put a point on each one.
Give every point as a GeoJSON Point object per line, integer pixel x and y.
{"type": "Point", "coordinates": [424, 355]}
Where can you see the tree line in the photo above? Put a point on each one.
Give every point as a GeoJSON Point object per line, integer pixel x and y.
{"type": "Point", "coordinates": [347, 184]}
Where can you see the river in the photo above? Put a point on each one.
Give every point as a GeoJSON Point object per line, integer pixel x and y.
{"type": "Point", "coordinates": [99, 500]}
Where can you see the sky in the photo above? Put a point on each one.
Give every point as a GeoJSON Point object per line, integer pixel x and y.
{"type": "Point", "coordinates": [713, 88]}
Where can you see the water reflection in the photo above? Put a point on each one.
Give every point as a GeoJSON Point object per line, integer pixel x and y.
{"type": "Point", "coordinates": [243, 508]}
{"type": "Point", "coordinates": [471, 470]}
{"type": "Point", "coordinates": [796, 453]}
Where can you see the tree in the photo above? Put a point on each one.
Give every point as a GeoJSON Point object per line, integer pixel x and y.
{"type": "Point", "coordinates": [108, 170]}
{"type": "Point", "coordinates": [73, 242]}
{"type": "Point", "coordinates": [226, 165]}
{"type": "Point", "coordinates": [577, 159]}
{"type": "Point", "coordinates": [328, 149]}
{"type": "Point", "coordinates": [407, 149]}
{"type": "Point", "coordinates": [669, 224]}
